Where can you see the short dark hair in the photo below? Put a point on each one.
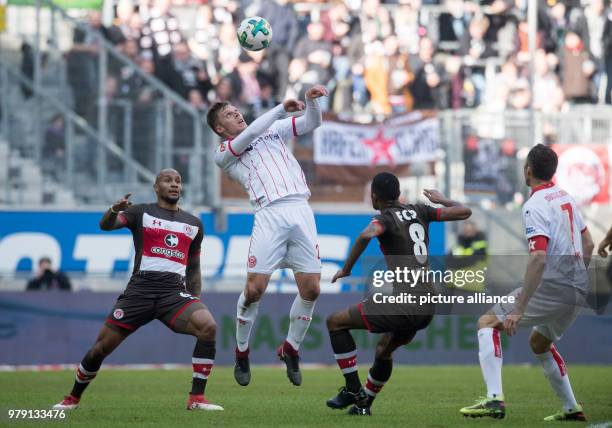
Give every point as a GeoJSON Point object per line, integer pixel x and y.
{"type": "Point", "coordinates": [44, 259]}
{"type": "Point", "coordinates": [211, 116]}
{"type": "Point", "coordinates": [543, 162]}
{"type": "Point", "coordinates": [386, 186]}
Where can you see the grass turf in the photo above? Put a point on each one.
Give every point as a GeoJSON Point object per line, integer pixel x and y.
{"type": "Point", "coordinates": [420, 396]}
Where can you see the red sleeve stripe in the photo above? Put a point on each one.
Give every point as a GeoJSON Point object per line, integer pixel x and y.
{"type": "Point", "coordinates": [195, 254]}
{"type": "Point", "coordinates": [295, 134]}
{"type": "Point", "coordinates": [438, 213]}
{"type": "Point", "coordinates": [229, 145]}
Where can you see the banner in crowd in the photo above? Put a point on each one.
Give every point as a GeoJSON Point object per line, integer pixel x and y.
{"type": "Point", "coordinates": [64, 4]}
{"type": "Point", "coordinates": [343, 149]}
{"type": "Point", "coordinates": [584, 172]}
{"type": "Point", "coordinates": [75, 243]}
{"type": "Point", "coordinates": [58, 328]}
{"type": "Point", "coordinates": [491, 167]}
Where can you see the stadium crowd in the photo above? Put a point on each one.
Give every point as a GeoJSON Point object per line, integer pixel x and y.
{"type": "Point", "coordinates": [381, 58]}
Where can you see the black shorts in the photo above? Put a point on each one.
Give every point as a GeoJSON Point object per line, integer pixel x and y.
{"type": "Point", "coordinates": [135, 309]}
{"type": "Point", "coordinates": [402, 320]}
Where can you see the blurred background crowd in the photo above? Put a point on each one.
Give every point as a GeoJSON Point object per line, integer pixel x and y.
{"type": "Point", "coordinates": [377, 57]}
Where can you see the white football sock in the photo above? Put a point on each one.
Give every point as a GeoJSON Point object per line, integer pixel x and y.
{"type": "Point", "coordinates": [556, 373]}
{"type": "Point", "coordinates": [300, 317]}
{"type": "Point", "coordinates": [245, 317]}
{"type": "Point", "coordinates": [490, 356]}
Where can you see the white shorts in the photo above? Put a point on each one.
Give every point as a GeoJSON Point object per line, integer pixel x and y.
{"type": "Point", "coordinates": [550, 311]}
{"type": "Point", "coordinates": [284, 236]}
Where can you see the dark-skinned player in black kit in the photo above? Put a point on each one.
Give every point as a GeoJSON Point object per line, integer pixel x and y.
{"type": "Point", "coordinates": [166, 284]}
{"type": "Point", "coordinates": [402, 230]}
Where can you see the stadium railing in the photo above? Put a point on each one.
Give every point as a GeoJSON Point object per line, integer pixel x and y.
{"type": "Point", "coordinates": [164, 128]}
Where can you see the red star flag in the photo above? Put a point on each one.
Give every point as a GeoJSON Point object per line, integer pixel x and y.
{"type": "Point", "coordinates": [349, 152]}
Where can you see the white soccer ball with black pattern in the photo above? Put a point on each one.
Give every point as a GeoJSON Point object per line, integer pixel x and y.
{"type": "Point", "coordinates": [254, 33]}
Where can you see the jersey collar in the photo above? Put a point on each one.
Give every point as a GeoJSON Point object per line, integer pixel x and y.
{"type": "Point", "coordinates": [542, 186]}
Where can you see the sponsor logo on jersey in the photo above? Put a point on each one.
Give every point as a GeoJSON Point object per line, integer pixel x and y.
{"type": "Point", "coordinates": [530, 230]}
{"type": "Point", "coordinates": [188, 229]}
{"type": "Point", "coordinates": [171, 240]}
{"type": "Point", "coordinates": [118, 314]}
{"type": "Point", "coordinates": [252, 261]}
{"type": "Point", "coordinates": [168, 252]}
{"type": "Point", "coordinates": [157, 223]}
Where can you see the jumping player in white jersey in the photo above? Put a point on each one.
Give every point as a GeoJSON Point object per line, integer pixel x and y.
{"type": "Point", "coordinates": [552, 295]}
{"type": "Point", "coordinates": [284, 232]}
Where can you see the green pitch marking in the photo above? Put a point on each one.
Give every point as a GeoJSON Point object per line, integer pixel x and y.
{"type": "Point", "coordinates": [417, 396]}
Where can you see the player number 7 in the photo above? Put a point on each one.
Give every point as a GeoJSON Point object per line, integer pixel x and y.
{"type": "Point", "coordinates": [570, 213]}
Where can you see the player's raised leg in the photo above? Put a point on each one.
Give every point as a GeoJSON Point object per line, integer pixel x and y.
{"type": "Point", "coordinates": [556, 373]}
{"type": "Point", "coordinates": [339, 325]}
{"type": "Point", "coordinates": [246, 313]}
{"type": "Point", "coordinates": [201, 324]}
{"type": "Point", "coordinates": [300, 317]}
{"type": "Point", "coordinates": [108, 340]}
{"type": "Point", "coordinates": [490, 357]}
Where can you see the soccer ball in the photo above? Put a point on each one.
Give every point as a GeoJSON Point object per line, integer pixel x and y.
{"type": "Point", "coordinates": [254, 33]}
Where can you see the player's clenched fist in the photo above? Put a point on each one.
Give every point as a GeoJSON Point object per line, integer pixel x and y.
{"type": "Point", "coordinates": [317, 91]}
{"type": "Point", "coordinates": [122, 203]}
{"type": "Point", "coordinates": [292, 105]}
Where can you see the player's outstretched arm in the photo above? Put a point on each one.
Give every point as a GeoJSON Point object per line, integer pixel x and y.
{"type": "Point", "coordinates": [313, 117]}
{"type": "Point", "coordinates": [110, 219]}
{"type": "Point", "coordinates": [263, 122]}
{"type": "Point", "coordinates": [361, 243]}
{"type": "Point", "coordinates": [452, 210]}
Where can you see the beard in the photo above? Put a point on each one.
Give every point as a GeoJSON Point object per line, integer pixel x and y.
{"type": "Point", "coordinates": [170, 199]}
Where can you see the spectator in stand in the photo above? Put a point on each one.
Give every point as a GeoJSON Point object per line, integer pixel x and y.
{"type": "Point", "coordinates": [161, 32]}
{"type": "Point", "coordinates": [48, 279]}
{"type": "Point", "coordinates": [607, 54]}
{"type": "Point", "coordinates": [376, 78]}
{"type": "Point", "coordinates": [520, 96]}
{"type": "Point", "coordinates": [182, 72]}
{"type": "Point", "coordinates": [281, 16]}
{"type": "Point", "coordinates": [475, 49]}
{"type": "Point", "coordinates": [54, 148]}
{"type": "Point", "coordinates": [596, 21]}
{"type": "Point", "coordinates": [399, 77]}
{"type": "Point", "coordinates": [454, 22]}
{"type": "Point", "coordinates": [546, 83]}
{"type": "Point", "coordinates": [576, 69]}
{"type": "Point", "coordinates": [317, 53]}
{"type": "Point", "coordinates": [427, 76]}
{"type": "Point", "coordinates": [249, 85]}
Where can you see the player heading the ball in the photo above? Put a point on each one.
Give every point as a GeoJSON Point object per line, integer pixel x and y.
{"type": "Point", "coordinates": [284, 232]}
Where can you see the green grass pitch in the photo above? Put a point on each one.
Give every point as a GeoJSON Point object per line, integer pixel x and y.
{"type": "Point", "coordinates": [416, 396]}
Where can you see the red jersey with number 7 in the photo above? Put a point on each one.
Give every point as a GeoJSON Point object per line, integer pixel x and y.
{"type": "Point", "coordinates": [553, 223]}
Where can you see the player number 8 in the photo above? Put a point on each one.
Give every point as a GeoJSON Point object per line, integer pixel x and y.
{"type": "Point", "coordinates": [417, 234]}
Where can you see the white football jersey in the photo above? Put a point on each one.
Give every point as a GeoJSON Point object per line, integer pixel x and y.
{"type": "Point", "coordinates": [266, 168]}
{"type": "Point", "coordinates": [552, 213]}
